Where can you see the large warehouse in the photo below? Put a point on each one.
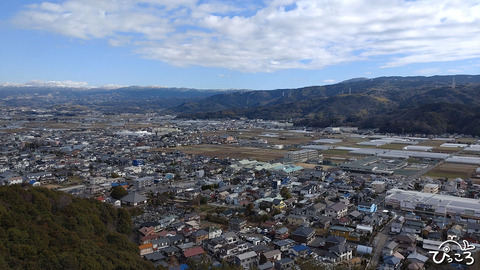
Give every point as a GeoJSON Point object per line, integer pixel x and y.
{"type": "Point", "coordinates": [433, 204]}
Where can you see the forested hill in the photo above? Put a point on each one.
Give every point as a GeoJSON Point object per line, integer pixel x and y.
{"type": "Point", "coordinates": [416, 104]}
{"type": "Point", "coordinates": [45, 229]}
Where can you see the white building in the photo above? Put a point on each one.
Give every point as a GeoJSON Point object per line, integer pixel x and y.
{"type": "Point", "coordinates": [301, 155]}
{"type": "Point", "coordinates": [433, 204]}
{"type": "Point", "coordinates": [431, 188]}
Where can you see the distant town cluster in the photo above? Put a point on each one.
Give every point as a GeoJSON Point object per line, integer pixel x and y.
{"type": "Point", "coordinates": [257, 194]}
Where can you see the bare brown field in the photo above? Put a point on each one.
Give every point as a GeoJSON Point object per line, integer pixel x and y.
{"type": "Point", "coordinates": [446, 150]}
{"type": "Point", "coordinates": [392, 146]}
{"type": "Point", "coordinates": [291, 138]}
{"type": "Point", "coordinates": [431, 143]}
{"type": "Point", "coordinates": [232, 151]}
{"type": "Point", "coordinates": [452, 170]}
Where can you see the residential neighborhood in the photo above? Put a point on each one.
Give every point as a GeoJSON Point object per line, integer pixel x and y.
{"type": "Point", "coordinates": [296, 209]}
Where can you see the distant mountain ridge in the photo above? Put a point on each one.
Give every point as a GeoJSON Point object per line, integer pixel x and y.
{"type": "Point", "coordinates": [129, 99]}
{"type": "Point", "coordinates": [415, 104]}
{"type": "Point", "coordinates": [406, 101]}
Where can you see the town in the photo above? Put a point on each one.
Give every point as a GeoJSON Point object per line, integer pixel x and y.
{"type": "Point", "coordinates": [256, 194]}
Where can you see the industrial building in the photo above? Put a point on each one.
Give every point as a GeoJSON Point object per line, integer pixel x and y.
{"type": "Point", "coordinates": [301, 155]}
{"type": "Point", "coordinates": [428, 204]}
{"type": "Point", "coordinates": [374, 165]}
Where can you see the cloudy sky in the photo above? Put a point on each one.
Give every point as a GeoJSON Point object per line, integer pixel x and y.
{"type": "Point", "coordinates": [263, 44]}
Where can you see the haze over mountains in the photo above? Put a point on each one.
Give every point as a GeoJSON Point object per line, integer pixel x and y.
{"type": "Point", "coordinates": [431, 105]}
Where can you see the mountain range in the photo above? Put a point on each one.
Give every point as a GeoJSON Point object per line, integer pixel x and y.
{"type": "Point", "coordinates": [123, 99]}
{"type": "Point", "coordinates": [429, 105]}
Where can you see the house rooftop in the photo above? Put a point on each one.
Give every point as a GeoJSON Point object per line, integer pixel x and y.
{"type": "Point", "coordinates": [134, 197]}
{"type": "Point", "coordinates": [193, 252]}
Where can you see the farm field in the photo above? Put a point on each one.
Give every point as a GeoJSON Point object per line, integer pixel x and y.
{"type": "Point", "coordinates": [452, 171]}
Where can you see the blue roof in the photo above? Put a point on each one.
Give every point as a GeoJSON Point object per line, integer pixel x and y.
{"type": "Point", "coordinates": [180, 267]}
{"type": "Point", "coordinates": [115, 184]}
{"type": "Point", "coordinates": [32, 182]}
{"type": "Point", "coordinates": [299, 248]}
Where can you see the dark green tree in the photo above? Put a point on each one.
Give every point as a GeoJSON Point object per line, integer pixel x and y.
{"type": "Point", "coordinates": [118, 192]}
{"type": "Point", "coordinates": [285, 193]}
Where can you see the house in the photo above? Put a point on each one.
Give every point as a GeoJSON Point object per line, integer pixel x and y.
{"type": "Point", "coordinates": [336, 210]}
{"type": "Point", "coordinates": [146, 231]}
{"type": "Point", "coordinates": [284, 245]}
{"type": "Point", "coordinates": [193, 252]}
{"type": "Point", "coordinates": [391, 263]}
{"type": "Point", "coordinates": [296, 220]}
{"type": "Point", "coordinates": [228, 252]}
{"type": "Point", "coordinates": [367, 207]}
{"type": "Point", "coordinates": [416, 257]}
{"type": "Point", "coordinates": [300, 251]}
{"type": "Point", "coordinates": [232, 198]}
{"type": "Point", "coordinates": [155, 224]}
{"type": "Point", "coordinates": [390, 248]}
{"type": "Point", "coordinates": [272, 256]}
{"type": "Point", "coordinates": [278, 204]}
{"type": "Point", "coordinates": [282, 233]}
{"type": "Point", "coordinates": [304, 235]}
{"type": "Point", "coordinates": [341, 253]}
{"type": "Point", "coordinates": [214, 244]}
{"type": "Point", "coordinates": [344, 231]}
{"type": "Point", "coordinates": [323, 222]}
{"type": "Point", "coordinates": [247, 260]}
{"type": "Point", "coordinates": [238, 225]}
{"type": "Point", "coordinates": [431, 188]}
{"type": "Point", "coordinates": [145, 249]}
{"type": "Point", "coordinates": [397, 224]}
{"type": "Point", "coordinates": [266, 266]}
{"type": "Point", "coordinates": [364, 229]}
{"type": "Point", "coordinates": [176, 239]}
{"type": "Point", "coordinates": [199, 236]}
{"type": "Point", "coordinates": [315, 210]}
{"type": "Point", "coordinates": [333, 240]}
{"type": "Point", "coordinates": [170, 251]}
{"type": "Point", "coordinates": [285, 264]}
{"type": "Point", "coordinates": [227, 138]}
{"type": "Point", "coordinates": [134, 199]}
{"type": "Point", "coordinates": [156, 258]}
{"type": "Point", "coordinates": [230, 237]}
{"type": "Point", "coordinates": [309, 189]}
{"type": "Point", "coordinates": [406, 242]}
{"type": "Point", "coordinates": [160, 243]}
{"type": "Point", "coordinates": [456, 231]}
{"type": "Point", "coordinates": [346, 198]}
{"type": "Point", "coordinates": [149, 238]}
{"type": "Point", "coordinates": [214, 232]}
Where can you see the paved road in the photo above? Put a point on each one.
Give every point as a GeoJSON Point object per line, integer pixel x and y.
{"type": "Point", "coordinates": [379, 242]}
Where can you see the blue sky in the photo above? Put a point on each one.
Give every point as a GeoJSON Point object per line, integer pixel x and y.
{"type": "Point", "coordinates": [234, 44]}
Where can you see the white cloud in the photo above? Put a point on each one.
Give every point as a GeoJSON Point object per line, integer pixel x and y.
{"type": "Point", "coordinates": [280, 34]}
{"type": "Point", "coordinates": [329, 81]}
